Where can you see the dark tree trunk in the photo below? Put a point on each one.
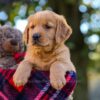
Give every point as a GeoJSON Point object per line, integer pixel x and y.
{"type": "Point", "coordinates": [79, 52]}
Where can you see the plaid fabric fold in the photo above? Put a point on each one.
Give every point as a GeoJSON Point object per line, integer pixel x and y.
{"type": "Point", "coordinates": [37, 88]}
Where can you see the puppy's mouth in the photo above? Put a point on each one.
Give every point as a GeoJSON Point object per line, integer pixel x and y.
{"type": "Point", "coordinates": [38, 43]}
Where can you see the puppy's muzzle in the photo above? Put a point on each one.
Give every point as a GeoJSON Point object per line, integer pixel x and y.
{"type": "Point", "coordinates": [36, 36]}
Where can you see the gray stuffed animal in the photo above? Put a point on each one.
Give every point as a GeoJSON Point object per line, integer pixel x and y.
{"type": "Point", "coordinates": [10, 43]}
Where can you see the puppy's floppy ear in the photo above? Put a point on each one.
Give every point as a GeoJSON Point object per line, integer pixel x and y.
{"type": "Point", "coordinates": [63, 31]}
{"type": "Point", "coordinates": [26, 32]}
{"type": "Point", "coordinates": [26, 35]}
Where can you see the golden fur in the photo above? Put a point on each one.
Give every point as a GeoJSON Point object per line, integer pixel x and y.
{"type": "Point", "coordinates": [49, 53]}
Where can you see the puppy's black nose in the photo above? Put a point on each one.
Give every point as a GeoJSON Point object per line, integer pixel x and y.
{"type": "Point", "coordinates": [13, 42]}
{"type": "Point", "coordinates": [36, 36]}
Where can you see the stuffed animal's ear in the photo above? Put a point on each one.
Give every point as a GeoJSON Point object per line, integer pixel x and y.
{"type": "Point", "coordinates": [26, 35]}
{"type": "Point", "coordinates": [63, 31]}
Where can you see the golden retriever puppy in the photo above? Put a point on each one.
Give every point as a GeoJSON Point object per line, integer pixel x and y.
{"type": "Point", "coordinates": [44, 36]}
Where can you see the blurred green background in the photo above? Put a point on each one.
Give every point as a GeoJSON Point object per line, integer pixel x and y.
{"type": "Point", "coordinates": [84, 18]}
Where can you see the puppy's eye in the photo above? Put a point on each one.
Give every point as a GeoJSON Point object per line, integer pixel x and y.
{"type": "Point", "coordinates": [47, 27]}
{"type": "Point", "coordinates": [32, 26]}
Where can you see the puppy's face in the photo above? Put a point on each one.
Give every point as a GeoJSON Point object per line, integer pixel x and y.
{"type": "Point", "coordinates": [46, 29]}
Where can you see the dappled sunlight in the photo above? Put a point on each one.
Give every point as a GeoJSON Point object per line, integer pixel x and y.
{"type": "Point", "coordinates": [3, 16]}
{"type": "Point", "coordinates": [93, 3]}
{"type": "Point", "coordinates": [84, 27]}
{"type": "Point", "coordinates": [95, 22]}
{"type": "Point", "coordinates": [22, 10]}
{"type": "Point", "coordinates": [93, 39]}
{"type": "Point", "coordinates": [82, 8]}
{"type": "Point", "coordinates": [21, 24]}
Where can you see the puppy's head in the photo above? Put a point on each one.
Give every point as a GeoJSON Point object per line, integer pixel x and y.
{"type": "Point", "coordinates": [46, 29]}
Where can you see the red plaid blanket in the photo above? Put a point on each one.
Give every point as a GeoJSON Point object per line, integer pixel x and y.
{"type": "Point", "coordinates": [37, 88]}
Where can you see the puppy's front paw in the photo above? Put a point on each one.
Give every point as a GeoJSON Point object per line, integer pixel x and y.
{"type": "Point", "coordinates": [22, 74]}
{"type": "Point", "coordinates": [19, 79]}
{"type": "Point", "coordinates": [57, 81]}
{"type": "Point", "coordinates": [57, 75]}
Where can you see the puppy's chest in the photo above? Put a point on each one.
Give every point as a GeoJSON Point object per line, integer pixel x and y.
{"type": "Point", "coordinates": [42, 63]}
